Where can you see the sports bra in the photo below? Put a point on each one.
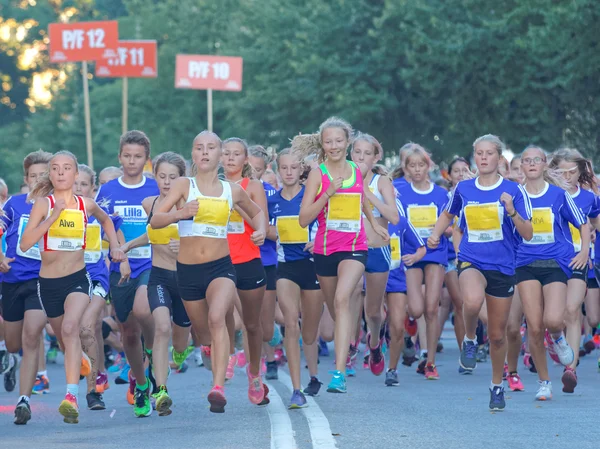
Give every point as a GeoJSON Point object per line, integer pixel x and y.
{"type": "Point", "coordinates": [68, 232]}
{"type": "Point", "coordinates": [213, 213]}
{"type": "Point", "coordinates": [374, 187]}
{"type": "Point", "coordinates": [161, 236]}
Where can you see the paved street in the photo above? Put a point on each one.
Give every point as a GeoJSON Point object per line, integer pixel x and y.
{"type": "Point", "coordinates": [449, 413]}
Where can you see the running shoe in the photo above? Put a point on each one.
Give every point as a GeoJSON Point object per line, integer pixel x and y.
{"type": "Point", "coordinates": [280, 357]}
{"type": "Point", "coordinates": [338, 383]}
{"type": "Point", "coordinates": [263, 366]}
{"type": "Point", "coordinates": [256, 392]}
{"type": "Point", "coordinates": [10, 377]}
{"type": "Point", "coordinates": [544, 392]}
{"type": "Point", "coordinates": [182, 369]}
{"type": "Point", "coordinates": [41, 386]}
{"type": "Point", "coordinates": [461, 370]}
{"type": "Point", "coordinates": [569, 380]}
{"type": "Point", "coordinates": [481, 354]}
{"type": "Point", "coordinates": [131, 390]}
{"type": "Point", "coordinates": [563, 351]}
{"type": "Point", "coordinates": [431, 372]}
{"type": "Point", "coordinates": [142, 406]}
{"type": "Point", "coordinates": [271, 371]}
{"type": "Point", "coordinates": [497, 402]}
{"type": "Point", "coordinates": [86, 365]}
{"type": "Point", "coordinates": [102, 383]}
{"type": "Point", "coordinates": [123, 377]}
{"type": "Point", "coordinates": [51, 355]}
{"type": "Point", "coordinates": [439, 347]}
{"type": "Point", "coordinates": [410, 325]}
{"type": "Point", "coordinates": [276, 339]}
{"type": "Point", "coordinates": [266, 400]}
{"type": "Point", "coordinates": [298, 400]}
{"type": "Point", "coordinates": [313, 387]}
{"type": "Point", "coordinates": [421, 366]}
{"type": "Point", "coordinates": [4, 361]}
{"type": "Point", "coordinates": [468, 355]}
{"type": "Point", "coordinates": [206, 358]}
{"type": "Point", "coordinates": [549, 343]}
{"type": "Point", "coordinates": [589, 346]}
{"type": "Point", "coordinates": [230, 367]}
{"type": "Point", "coordinates": [239, 340]}
{"type": "Point", "coordinates": [391, 378]}
{"type": "Point", "coordinates": [94, 401]}
{"type": "Point", "coordinates": [376, 359]}
{"type": "Point", "coordinates": [118, 365]}
{"type": "Point", "coordinates": [505, 373]}
{"type": "Point", "coordinates": [366, 359]}
{"type": "Point", "coordinates": [241, 359]}
{"type": "Point", "coordinates": [180, 357]}
{"type": "Point", "coordinates": [217, 400]}
{"type": "Point", "coordinates": [515, 383]}
{"type": "Point", "coordinates": [527, 360]}
{"type": "Point", "coordinates": [323, 348]}
{"type": "Point", "coordinates": [69, 409]}
{"type": "Point", "coordinates": [198, 357]}
{"type": "Point", "coordinates": [22, 413]}
{"type": "Point", "coordinates": [162, 401]}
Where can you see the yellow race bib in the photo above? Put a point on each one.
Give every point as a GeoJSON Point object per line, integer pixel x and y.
{"type": "Point", "coordinates": [423, 219]}
{"type": "Point", "coordinates": [67, 233]}
{"type": "Point", "coordinates": [93, 243]}
{"type": "Point", "coordinates": [395, 251]}
{"type": "Point", "coordinates": [484, 223]}
{"type": "Point", "coordinates": [543, 226]}
{"type": "Point", "coordinates": [576, 237]}
{"type": "Point", "coordinates": [236, 223]}
{"type": "Point", "coordinates": [344, 212]}
{"type": "Point", "coordinates": [290, 231]}
{"type": "Point", "coordinates": [162, 236]}
{"type": "Point", "coordinates": [212, 217]}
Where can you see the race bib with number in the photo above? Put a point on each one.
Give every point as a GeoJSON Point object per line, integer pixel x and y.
{"type": "Point", "coordinates": [543, 226]}
{"type": "Point", "coordinates": [162, 236]}
{"type": "Point", "coordinates": [576, 236]}
{"type": "Point", "coordinates": [212, 218]}
{"type": "Point", "coordinates": [67, 233]}
{"type": "Point", "coordinates": [34, 251]}
{"type": "Point", "coordinates": [484, 222]}
{"type": "Point", "coordinates": [423, 219]}
{"type": "Point", "coordinates": [134, 225]}
{"type": "Point", "coordinates": [344, 212]}
{"type": "Point", "coordinates": [395, 252]}
{"type": "Point", "coordinates": [93, 243]}
{"type": "Point", "coordinates": [290, 231]}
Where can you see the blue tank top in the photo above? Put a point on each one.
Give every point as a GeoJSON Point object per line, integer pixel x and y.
{"type": "Point", "coordinates": [96, 266]}
{"type": "Point", "coordinates": [268, 251]}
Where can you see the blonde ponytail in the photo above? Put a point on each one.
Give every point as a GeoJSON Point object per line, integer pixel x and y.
{"type": "Point", "coordinates": [42, 188]}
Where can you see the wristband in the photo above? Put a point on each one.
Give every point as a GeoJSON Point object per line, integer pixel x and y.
{"type": "Point", "coordinates": [513, 214]}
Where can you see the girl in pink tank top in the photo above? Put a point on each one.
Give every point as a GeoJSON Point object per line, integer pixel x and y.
{"type": "Point", "coordinates": [335, 196]}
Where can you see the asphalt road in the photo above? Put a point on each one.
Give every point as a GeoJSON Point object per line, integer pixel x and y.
{"type": "Point", "coordinates": [450, 413]}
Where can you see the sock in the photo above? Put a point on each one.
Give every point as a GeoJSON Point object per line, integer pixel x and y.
{"type": "Point", "coordinates": [2, 345]}
{"type": "Point", "coordinates": [557, 339]}
{"type": "Point", "coordinates": [143, 387]}
{"type": "Point", "coordinates": [472, 340]}
{"type": "Point", "coordinates": [23, 398]}
{"type": "Point", "coordinates": [42, 373]}
{"type": "Point", "coordinates": [73, 389]}
{"type": "Point", "coordinates": [492, 385]}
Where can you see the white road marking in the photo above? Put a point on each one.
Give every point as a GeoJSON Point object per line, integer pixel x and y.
{"type": "Point", "coordinates": [318, 424]}
{"type": "Point", "coordinates": [282, 433]}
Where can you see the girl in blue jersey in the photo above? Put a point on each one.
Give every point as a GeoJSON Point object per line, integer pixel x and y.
{"type": "Point", "coordinates": [400, 177]}
{"type": "Point", "coordinates": [91, 329]}
{"type": "Point", "coordinates": [581, 183]}
{"type": "Point", "coordinates": [382, 198]}
{"type": "Point", "coordinates": [205, 272]}
{"type": "Point", "coordinates": [423, 202]}
{"type": "Point", "coordinates": [298, 289]}
{"type": "Point", "coordinates": [490, 209]}
{"type": "Point", "coordinates": [547, 261]}
{"type": "Point", "coordinates": [24, 318]}
{"type": "Point", "coordinates": [58, 222]}
{"type": "Point", "coordinates": [129, 295]}
{"type": "Point", "coordinates": [402, 235]}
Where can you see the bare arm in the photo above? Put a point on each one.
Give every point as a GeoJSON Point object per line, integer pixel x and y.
{"type": "Point", "coordinates": [310, 209]}
{"type": "Point", "coordinates": [164, 215]}
{"type": "Point", "coordinates": [38, 224]}
{"type": "Point", "coordinates": [109, 229]}
{"type": "Point", "coordinates": [251, 209]}
{"type": "Point", "coordinates": [387, 207]}
{"type": "Point", "coordinates": [443, 221]}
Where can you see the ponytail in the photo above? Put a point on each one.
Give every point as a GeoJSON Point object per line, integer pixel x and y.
{"type": "Point", "coordinates": [307, 145]}
{"type": "Point", "coordinates": [247, 170]}
{"type": "Point", "coordinates": [42, 188]}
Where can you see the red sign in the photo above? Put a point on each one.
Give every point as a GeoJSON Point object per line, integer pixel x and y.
{"type": "Point", "coordinates": [133, 59]}
{"type": "Point", "coordinates": [82, 41]}
{"type": "Point", "coordinates": [208, 72]}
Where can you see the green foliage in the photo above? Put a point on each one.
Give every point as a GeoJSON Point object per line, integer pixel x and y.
{"type": "Point", "coordinates": [439, 73]}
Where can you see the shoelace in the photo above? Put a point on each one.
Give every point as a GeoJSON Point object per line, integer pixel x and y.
{"type": "Point", "coordinates": [471, 350]}
{"type": "Point", "coordinates": [140, 397]}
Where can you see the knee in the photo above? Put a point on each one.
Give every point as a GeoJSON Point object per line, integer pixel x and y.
{"type": "Point", "coordinates": [373, 313]}
{"type": "Point", "coordinates": [292, 329]}
{"type": "Point", "coordinates": [416, 311]}
{"type": "Point", "coordinates": [341, 302]}
{"type": "Point", "coordinates": [131, 336]}
{"type": "Point", "coordinates": [497, 340]}
{"type": "Point", "coordinates": [69, 329]}
{"type": "Point", "coordinates": [472, 304]}
{"type": "Point", "coordinates": [396, 330]}
{"type": "Point", "coordinates": [572, 312]}
{"type": "Point", "coordinates": [86, 333]}
{"type": "Point", "coordinates": [593, 321]}
{"type": "Point", "coordinates": [432, 311]}
{"type": "Point", "coordinates": [217, 321]}
{"type": "Point", "coordinates": [268, 331]}
{"type": "Point", "coordinates": [513, 332]}
{"type": "Point", "coordinates": [327, 335]}
{"type": "Point", "coordinates": [308, 339]}
{"type": "Point", "coordinates": [162, 330]}
{"type": "Point", "coordinates": [554, 323]}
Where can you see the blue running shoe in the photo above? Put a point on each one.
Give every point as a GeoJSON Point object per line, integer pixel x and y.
{"type": "Point", "coordinates": [323, 348]}
{"type": "Point", "coordinates": [123, 377]}
{"type": "Point", "coordinates": [338, 383]}
{"type": "Point", "coordinates": [497, 403]}
{"type": "Point", "coordinates": [298, 400]}
{"type": "Point", "coordinates": [461, 370]}
{"type": "Point", "coordinates": [468, 355]}
{"type": "Point", "coordinates": [277, 338]}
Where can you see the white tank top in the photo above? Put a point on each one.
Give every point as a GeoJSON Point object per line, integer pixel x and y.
{"type": "Point", "coordinates": [213, 213]}
{"type": "Point", "coordinates": [374, 187]}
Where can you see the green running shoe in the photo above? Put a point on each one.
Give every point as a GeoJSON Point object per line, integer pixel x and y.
{"type": "Point", "coordinates": [163, 401]}
{"type": "Point", "coordinates": [141, 401]}
{"type": "Point", "coordinates": [180, 357]}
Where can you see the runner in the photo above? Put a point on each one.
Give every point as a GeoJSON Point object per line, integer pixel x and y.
{"type": "Point", "coordinates": [204, 267]}
{"type": "Point", "coordinates": [335, 194]}
{"type": "Point", "coordinates": [129, 295]}
{"type": "Point", "coordinates": [24, 318]}
{"type": "Point", "coordinates": [58, 222]}
{"type": "Point", "coordinates": [381, 194]}
{"type": "Point", "coordinates": [490, 208]}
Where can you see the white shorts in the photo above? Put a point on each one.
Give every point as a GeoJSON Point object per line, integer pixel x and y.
{"type": "Point", "coordinates": [98, 290]}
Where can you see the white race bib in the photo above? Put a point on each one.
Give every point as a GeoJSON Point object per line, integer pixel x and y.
{"type": "Point", "coordinates": [34, 251]}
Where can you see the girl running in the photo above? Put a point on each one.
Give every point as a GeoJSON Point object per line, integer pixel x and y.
{"type": "Point", "coordinates": [546, 262]}
{"type": "Point", "coordinates": [335, 194]}
{"type": "Point", "coordinates": [24, 318]}
{"type": "Point", "coordinates": [582, 184]}
{"type": "Point", "coordinates": [381, 194]}
{"type": "Point", "coordinates": [58, 222]}
{"type": "Point", "coordinates": [423, 202]}
{"type": "Point", "coordinates": [491, 209]}
{"type": "Point", "coordinates": [205, 273]}
{"type": "Point", "coordinates": [297, 285]}
{"type": "Point", "coordinates": [163, 293]}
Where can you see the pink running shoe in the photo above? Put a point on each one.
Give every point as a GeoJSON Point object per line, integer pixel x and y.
{"type": "Point", "coordinates": [256, 391]}
{"type": "Point", "coordinates": [569, 380]}
{"type": "Point", "coordinates": [69, 409]}
{"type": "Point", "coordinates": [514, 382]}
{"type": "Point", "coordinates": [241, 359]}
{"type": "Point", "coordinates": [217, 400]}
{"type": "Point", "coordinates": [550, 347]}
{"type": "Point", "coordinates": [231, 367]}
{"type": "Point", "coordinates": [376, 359]}
{"type": "Point", "coordinates": [263, 366]}
{"type": "Point", "coordinates": [527, 360]}
{"type": "Point", "coordinates": [102, 383]}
